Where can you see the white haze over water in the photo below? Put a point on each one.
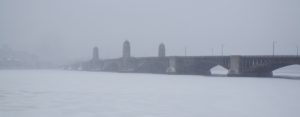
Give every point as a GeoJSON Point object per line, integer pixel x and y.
{"type": "Point", "coordinates": [46, 93]}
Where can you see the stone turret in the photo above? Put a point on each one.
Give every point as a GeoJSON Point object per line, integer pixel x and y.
{"type": "Point", "coordinates": [95, 53]}
{"type": "Point", "coordinates": [161, 50]}
{"type": "Point", "coordinates": [126, 49]}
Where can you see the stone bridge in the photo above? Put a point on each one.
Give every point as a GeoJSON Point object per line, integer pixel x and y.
{"type": "Point", "coordinates": [258, 66]}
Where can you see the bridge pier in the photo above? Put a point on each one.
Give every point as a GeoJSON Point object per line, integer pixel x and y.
{"type": "Point", "coordinates": [234, 66]}
{"type": "Point", "coordinates": [172, 66]}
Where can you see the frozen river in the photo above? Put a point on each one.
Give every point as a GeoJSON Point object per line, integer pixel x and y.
{"type": "Point", "coordinates": [54, 93]}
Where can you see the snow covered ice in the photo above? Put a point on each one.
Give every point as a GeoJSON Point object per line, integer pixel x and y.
{"type": "Point", "coordinates": [55, 93]}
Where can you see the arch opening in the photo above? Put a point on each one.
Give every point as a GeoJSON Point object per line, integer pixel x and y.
{"type": "Point", "coordinates": [289, 70]}
{"type": "Point", "coordinates": [219, 70]}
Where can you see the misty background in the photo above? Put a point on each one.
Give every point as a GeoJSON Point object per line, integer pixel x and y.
{"type": "Point", "coordinates": [63, 31]}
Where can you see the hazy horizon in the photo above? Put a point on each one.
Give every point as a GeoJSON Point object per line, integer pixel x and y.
{"type": "Point", "coordinates": [67, 30]}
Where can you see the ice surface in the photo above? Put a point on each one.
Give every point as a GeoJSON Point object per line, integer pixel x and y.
{"type": "Point", "coordinates": [46, 93]}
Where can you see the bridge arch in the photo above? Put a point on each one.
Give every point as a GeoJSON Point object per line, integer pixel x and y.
{"type": "Point", "coordinates": [267, 69]}
{"type": "Point", "coordinates": [292, 69]}
{"type": "Point", "coordinates": [219, 70]}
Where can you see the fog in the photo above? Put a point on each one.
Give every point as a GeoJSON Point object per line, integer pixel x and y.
{"type": "Point", "coordinates": [67, 30]}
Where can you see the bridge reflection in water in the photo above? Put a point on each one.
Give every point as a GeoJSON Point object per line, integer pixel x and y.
{"type": "Point", "coordinates": [257, 66]}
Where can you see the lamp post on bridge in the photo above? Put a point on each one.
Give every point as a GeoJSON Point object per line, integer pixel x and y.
{"type": "Point", "coordinates": [274, 42]}
{"type": "Point", "coordinates": [222, 49]}
{"type": "Point", "coordinates": [297, 50]}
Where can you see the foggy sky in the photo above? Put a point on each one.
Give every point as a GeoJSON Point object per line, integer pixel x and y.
{"type": "Point", "coordinates": [68, 29]}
